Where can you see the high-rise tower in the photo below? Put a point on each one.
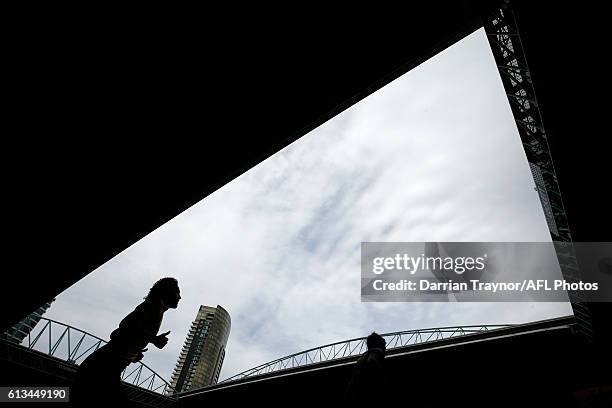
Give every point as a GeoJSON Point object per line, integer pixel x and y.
{"type": "Point", "coordinates": [21, 330]}
{"type": "Point", "coordinates": [201, 358]}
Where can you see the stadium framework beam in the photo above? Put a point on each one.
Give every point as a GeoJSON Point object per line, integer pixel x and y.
{"type": "Point", "coordinates": [504, 38]}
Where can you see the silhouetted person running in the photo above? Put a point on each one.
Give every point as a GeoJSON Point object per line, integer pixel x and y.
{"type": "Point", "coordinates": [368, 383]}
{"type": "Point", "coordinates": [99, 376]}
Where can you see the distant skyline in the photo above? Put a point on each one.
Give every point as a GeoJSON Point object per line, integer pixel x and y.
{"type": "Point", "coordinates": [433, 156]}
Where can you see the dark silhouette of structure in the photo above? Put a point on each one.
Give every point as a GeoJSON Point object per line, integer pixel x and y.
{"type": "Point", "coordinates": [99, 376]}
{"type": "Point", "coordinates": [368, 383]}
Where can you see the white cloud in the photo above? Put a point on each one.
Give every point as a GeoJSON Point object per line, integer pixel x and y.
{"type": "Point", "coordinates": [433, 156]}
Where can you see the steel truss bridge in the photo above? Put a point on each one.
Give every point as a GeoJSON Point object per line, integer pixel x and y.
{"type": "Point", "coordinates": [354, 347]}
{"type": "Point", "coordinates": [72, 346]}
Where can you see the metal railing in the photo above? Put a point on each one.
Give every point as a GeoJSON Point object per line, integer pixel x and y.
{"type": "Point", "coordinates": [354, 347]}
{"type": "Point", "coordinates": [74, 345]}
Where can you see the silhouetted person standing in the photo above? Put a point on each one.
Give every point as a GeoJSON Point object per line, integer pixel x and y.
{"type": "Point", "coordinates": [99, 376]}
{"type": "Point", "coordinates": [368, 384]}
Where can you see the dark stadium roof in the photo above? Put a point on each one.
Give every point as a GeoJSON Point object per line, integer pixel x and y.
{"type": "Point", "coordinates": [127, 125]}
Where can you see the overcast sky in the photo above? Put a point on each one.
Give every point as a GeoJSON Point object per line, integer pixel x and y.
{"type": "Point", "coordinates": [433, 156]}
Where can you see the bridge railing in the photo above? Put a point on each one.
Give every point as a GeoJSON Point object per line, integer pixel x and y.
{"type": "Point", "coordinates": [358, 346]}
{"type": "Point", "coordinates": [73, 345]}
